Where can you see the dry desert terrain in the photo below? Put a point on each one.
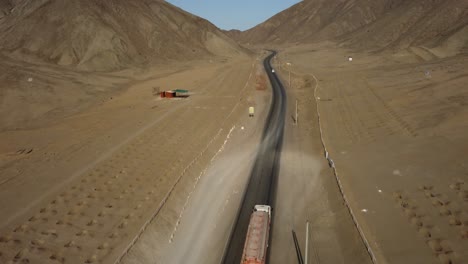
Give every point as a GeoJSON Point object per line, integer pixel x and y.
{"type": "Point", "coordinates": [96, 167]}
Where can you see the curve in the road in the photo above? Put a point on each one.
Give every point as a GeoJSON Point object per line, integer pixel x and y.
{"type": "Point", "coordinates": [263, 178]}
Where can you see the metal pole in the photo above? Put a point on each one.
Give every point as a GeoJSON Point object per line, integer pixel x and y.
{"type": "Point", "coordinates": [307, 244]}
{"type": "Point", "coordinates": [296, 113]}
{"type": "Point", "coordinates": [298, 249]}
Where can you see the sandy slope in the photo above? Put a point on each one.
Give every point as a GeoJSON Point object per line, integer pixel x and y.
{"type": "Point", "coordinates": [37, 94]}
{"type": "Point", "coordinates": [93, 180]}
{"type": "Point", "coordinates": [438, 26]}
{"type": "Point", "coordinates": [396, 131]}
{"type": "Point", "coordinates": [108, 35]}
{"type": "Point", "coordinates": [5, 8]}
{"type": "Point", "coordinates": [59, 58]}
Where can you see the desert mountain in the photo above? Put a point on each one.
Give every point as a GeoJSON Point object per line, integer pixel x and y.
{"type": "Point", "coordinates": [55, 55]}
{"type": "Point", "coordinates": [5, 7]}
{"type": "Point", "coordinates": [372, 24]}
{"type": "Point", "coordinates": [107, 34]}
{"type": "Point", "coordinates": [440, 27]}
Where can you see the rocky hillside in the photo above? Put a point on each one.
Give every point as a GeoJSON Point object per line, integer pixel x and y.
{"type": "Point", "coordinates": [440, 27]}
{"type": "Point", "coordinates": [5, 7]}
{"type": "Point", "coordinates": [371, 24]}
{"type": "Point", "coordinates": [107, 34]}
{"type": "Point", "coordinates": [314, 19]}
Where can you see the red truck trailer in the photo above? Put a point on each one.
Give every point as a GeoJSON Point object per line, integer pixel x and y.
{"type": "Point", "coordinates": [256, 242]}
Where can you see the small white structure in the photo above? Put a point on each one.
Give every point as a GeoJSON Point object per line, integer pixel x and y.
{"type": "Point", "coordinates": [350, 58]}
{"type": "Point", "coordinates": [273, 70]}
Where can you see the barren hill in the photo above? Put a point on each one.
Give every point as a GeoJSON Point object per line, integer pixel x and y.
{"type": "Point", "coordinates": [440, 27]}
{"type": "Point", "coordinates": [56, 56]}
{"type": "Point", "coordinates": [314, 19]}
{"type": "Point", "coordinates": [377, 24]}
{"type": "Point", "coordinates": [5, 7]}
{"type": "Point", "coordinates": [108, 34]}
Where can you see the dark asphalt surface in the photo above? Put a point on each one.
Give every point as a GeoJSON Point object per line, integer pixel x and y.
{"type": "Point", "coordinates": [263, 178]}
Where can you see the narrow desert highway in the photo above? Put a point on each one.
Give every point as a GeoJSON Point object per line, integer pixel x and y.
{"type": "Point", "coordinates": [291, 174]}
{"type": "Point", "coordinates": [90, 202]}
{"type": "Point", "coordinates": [147, 131]}
{"type": "Point", "coordinates": [263, 178]}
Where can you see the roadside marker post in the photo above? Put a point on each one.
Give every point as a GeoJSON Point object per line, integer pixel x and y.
{"type": "Point", "coordinates": [295, 120]}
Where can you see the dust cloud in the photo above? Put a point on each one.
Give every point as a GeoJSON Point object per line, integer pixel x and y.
{"type": "Point", "coordinates": [211, 211]}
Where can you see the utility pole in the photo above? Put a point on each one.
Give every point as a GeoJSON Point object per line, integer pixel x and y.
{"type": "Point", "coordinates": [289, 70]}
{"type": "Point", "coordinates": [296, 114]}
{"type": "Point", "coordinates": [307, 244]}
{"type": "Point", "coordinates": [300, 260]}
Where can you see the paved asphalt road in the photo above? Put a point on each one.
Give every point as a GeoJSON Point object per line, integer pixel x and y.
{"type": "Point", "coordinates": [263, 178]}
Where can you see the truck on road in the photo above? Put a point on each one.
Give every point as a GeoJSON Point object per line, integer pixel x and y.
{"type": "Point", "coordinates": [256, 242]}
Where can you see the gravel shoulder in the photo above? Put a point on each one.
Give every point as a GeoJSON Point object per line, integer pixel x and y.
{"type": "Point", "coordinates": [308, 191]}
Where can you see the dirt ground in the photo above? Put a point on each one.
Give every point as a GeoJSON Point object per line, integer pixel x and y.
{"type": "Point", "coordinates": [96, 168]}
{"type": "Point", "coordinates": [147, 180]}
{"type": "Point", "coordinates": [142, 179]}
{"type": "Point", "coordinates": [197, 220]}
{"type": "Point", "coordinates": [90, 183]}
{"type": "Point", "coordinates": [307, 190]}
{"type": "Point", "coordinates": [395, 129]}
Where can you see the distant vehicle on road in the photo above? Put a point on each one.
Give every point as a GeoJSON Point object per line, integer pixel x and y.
{"type": "Point", "coordinates": [256, 242]}
{"type": "Point", "coordinates": [273, 70]}
{"type": "Point", "coordinates": [251, 111]}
